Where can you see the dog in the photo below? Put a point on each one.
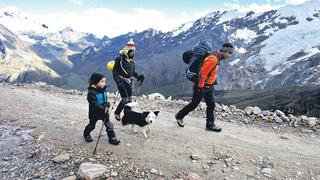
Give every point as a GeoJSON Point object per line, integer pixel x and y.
{"type": "Point", "coordinates": [142, 120]}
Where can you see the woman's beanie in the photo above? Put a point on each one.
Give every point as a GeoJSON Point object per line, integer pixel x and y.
{"type": "Point", "coordinates": [130, 45]}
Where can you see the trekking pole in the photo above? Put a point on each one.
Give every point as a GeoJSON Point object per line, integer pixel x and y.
{"type": "Point", "coordinates": [137, 93]}
{"type": "Point", "coordinates": [95, 148]}
{"type": "Point", "coordinates": [140, 84]}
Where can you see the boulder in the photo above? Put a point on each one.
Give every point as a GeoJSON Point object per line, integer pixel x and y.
{"type": "Point", "coordinates": [279, 113]}
{"type": "Point", "coordinates": [248, 110]}
{"type": "Point", "coordinates": [256, 110]}
{"type": "Point", "coordinates": [156, 96]}
{"type": "Point", "coordinates": [265, 113]}
{"type": "Point", "coordinates": [225, 108]}
{"type": "Point", "coordinates": [90, 171]}
{"type": "Point", "coordinates": [195, 157]}
{"type": "Point", "coordinates": [278, 120]}
{"type": "Point", "coordinates": [233, 107]}
{"type": "Point", "coordinates": [266, 172]}
{"type": "Point", "coordinates": [285, 118]}
{"type": "Point", "coordinates": [312, 121]}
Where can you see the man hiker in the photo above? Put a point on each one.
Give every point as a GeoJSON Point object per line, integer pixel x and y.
{"type": "Point", "coordinates": [203, 85]}
{"type": "Point", "coordinates": [123, 73]}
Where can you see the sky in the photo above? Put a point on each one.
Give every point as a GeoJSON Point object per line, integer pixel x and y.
{"type": "Point", "coordinates": [116, 17]}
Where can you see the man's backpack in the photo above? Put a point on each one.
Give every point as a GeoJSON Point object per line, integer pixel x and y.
{"type": "Point", "coordinates": [194, 60]}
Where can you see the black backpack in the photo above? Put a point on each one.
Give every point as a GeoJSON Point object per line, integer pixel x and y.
{"type": "Point", "coordinates": [194, 60]}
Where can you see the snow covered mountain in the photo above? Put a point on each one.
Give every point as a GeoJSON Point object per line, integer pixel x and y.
{"type": "Point", "coordinates": [18, 21]}
{"type": "Point", "coordinates": [18, 63]}
{"type": "Point", "coordinates": [275, 48]}
{"type": "Point", "coordinates": [71, 39]}
{"type": "Point", "coordinates": [31, 30]}
{"type": "Point", "coordinates": [57, 47]}
{"type": "Point", "coordinates": [53, 48]}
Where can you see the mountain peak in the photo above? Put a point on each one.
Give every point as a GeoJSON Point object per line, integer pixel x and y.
{"type": "Point", "coordinates": [67, 29]}
{"type": "Point", "coordinates": [153, 31]}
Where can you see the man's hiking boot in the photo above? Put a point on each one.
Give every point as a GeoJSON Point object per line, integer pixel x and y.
{"type": "Point", "coordinates": [214, 128]}
{"type": "Point", "coordinates": [180, 122]}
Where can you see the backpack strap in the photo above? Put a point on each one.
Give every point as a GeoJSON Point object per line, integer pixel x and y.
{"type": "Point", "coordinates": [193, 58]}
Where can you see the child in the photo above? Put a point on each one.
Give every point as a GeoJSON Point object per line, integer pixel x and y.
{"type": "Point", "coordinates": [98, 108]}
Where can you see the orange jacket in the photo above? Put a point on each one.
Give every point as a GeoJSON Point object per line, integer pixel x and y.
{"type": "Point", "coordinates": [209, 69]}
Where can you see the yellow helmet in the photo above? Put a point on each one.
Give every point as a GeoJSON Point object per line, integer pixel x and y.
{"type": "Point", "coordinates": [110, 65]}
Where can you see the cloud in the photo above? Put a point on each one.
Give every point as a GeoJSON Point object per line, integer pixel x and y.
{"type": "Point", "coordinates": [251, 7]}
{"type": "Point", "coordinates": [110, 22]}
{"type": "Point", "coordinates": [106, 21]}
{"type": "Point", "coordinates": [294, 2]}
{"type": "Point", "coordinates": [77, 2]}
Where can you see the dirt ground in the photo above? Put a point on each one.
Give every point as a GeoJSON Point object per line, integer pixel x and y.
{"type": "Point", "coordinates": [240, 151]}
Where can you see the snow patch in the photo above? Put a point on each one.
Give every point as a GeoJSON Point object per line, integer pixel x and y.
{"type": "Point", "coordinates": [288, 64]}
{"type": "Point", "coordinates": [301, 12]}
{"type": "Point", "coordinates": [229, 15]}
{"type": "Point", "coordinates": [27, 39]}
{"type": "Point", "coordinates": [181, 29]}
{"type": "Point", "coordinates": [240, 50]}
{"type": "Point", "coordinates": [286, 42]}
{"type": "Point", "coordinates": [234, 62]}
{"type": "Point", "coordinates": [245, 34]}
{"type": "Point", "coordinates": [262, 25]}
{"type": "Point", "coordinates": [275, 72]}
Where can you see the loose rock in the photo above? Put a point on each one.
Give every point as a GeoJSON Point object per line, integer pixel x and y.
{"type": "Point", "coordinates": [90, 171]}
{"type": "Point", "coordinates": [61, 158]}
{"type": "Point", "coordinates": [248, 110]}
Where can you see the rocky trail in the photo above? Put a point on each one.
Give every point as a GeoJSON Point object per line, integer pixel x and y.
{"type": "Point", "coordinates": [41, 138]}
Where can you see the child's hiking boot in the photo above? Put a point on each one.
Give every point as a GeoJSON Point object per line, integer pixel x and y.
{"type": "Point", "coordinates": [87, 138]}
{"type": "Point", "coordinates": [114, 141]}
{"type": "Point", "coordinates": [112, 138]}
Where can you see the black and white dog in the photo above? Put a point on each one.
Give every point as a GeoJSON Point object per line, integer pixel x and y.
{"type": "Point", "coordinates": [142, 120]}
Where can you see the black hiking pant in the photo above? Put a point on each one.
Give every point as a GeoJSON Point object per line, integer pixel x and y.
{"type": "Point", "coordinates": [92, 124]}
{"type": "Point", "coordinates": [198, 94]}
{"type": "Point", "coordinates": [125, 90]}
